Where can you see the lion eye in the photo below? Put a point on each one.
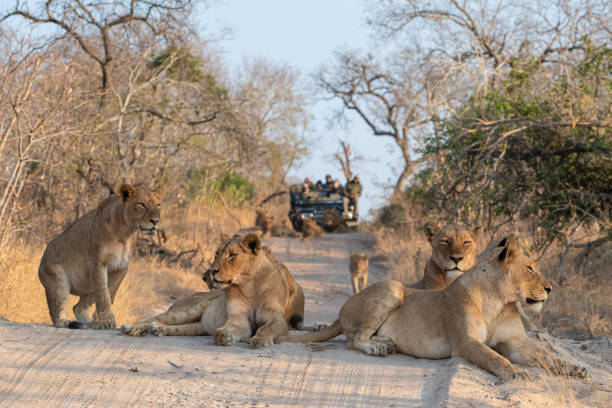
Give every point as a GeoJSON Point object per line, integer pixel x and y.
{"type": "Point", "coordinates": [531, 268]}
{"type": "Point", "coordinates": [445, 243]}
{"type": "Point", "coordinates": [467, 242]}
{"type": "Point", "coordinates": [142, 205]}
{"type": "Point", "coordinates": [232, 256]}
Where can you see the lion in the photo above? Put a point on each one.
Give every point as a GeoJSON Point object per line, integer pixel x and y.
{"type": "Point", "coordinates": [454, 250]}
{"type": "Point", "coordinates": [310, 229]}
{"type": "Point", "coordinates": [264, 220]}
{"type": "Point", "coordinates": [334, 222]}
{"type": "Point", "coordinates": [474, 317]}
{"type": "Point", "coordinates": [269, 227]}
{"type": "Point", "coordinates": [359, 271]}
{"type": "Point", "coordinates": [251, 292]}
{"type": "Point", "coordinates": [90, 258]}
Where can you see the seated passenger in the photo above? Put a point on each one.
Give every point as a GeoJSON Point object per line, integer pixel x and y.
{"type": "Point", "coordinates": [328, 182]}
{"type": "Point", "coordinates": [319, 185]}
{"type": "Point", "coordinates": [336, 188]}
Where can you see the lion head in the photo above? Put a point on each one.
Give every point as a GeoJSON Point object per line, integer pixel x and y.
{"type": "Point", "coordinates": [234, 261]}
{"type": "Point", "coordinates": [454, 248]}
{"type": "Point", "coordinates": [331, 220]}
{"type": "Point", "coordinates": [522, 274]}
{"type": "Point", "coordinates": [141, 207]}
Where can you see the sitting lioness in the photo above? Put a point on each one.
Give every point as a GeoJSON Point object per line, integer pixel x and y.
{"type": "Point", "coordinates": [90, 258]}
{"type": "Point", "coordinates": [252, 292]}
{"type": "Point", "coordinates": [468, 319]}
{"type": "Point", "coordinates": [454, 250]}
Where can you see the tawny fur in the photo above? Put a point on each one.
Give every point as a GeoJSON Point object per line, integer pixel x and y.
{"type": "Point", "coordinates": [310, 229]}
{"type": "Point", "coordinates": [251, 292]}
{"type": "Point", "coordinates": [90, 258]}
{"type": "Point", "coordinates": [358, 267]}
{"type": "Point", "coordinates": [468, 319]}
{"type": "Point", "coordinates": [271, 227]}
{"type": "Point", "coordinates": [334, 222]}
{"type": "Point", "coordinates": [454, 250]}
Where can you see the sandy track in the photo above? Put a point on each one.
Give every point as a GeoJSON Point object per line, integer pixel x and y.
{"type": "Point", "coordinates": [44, 366]}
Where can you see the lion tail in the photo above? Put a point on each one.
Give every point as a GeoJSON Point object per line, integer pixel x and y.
{"type": "Point", "coordinates": [325, 334]}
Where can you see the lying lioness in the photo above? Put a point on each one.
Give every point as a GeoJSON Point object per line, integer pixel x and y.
{"type": "Point", "coordinates": [251, 293]}
{"type": "Point", "coordinates": [468, 319]}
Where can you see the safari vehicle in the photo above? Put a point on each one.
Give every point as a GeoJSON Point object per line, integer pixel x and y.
{"type": "Point", "coordinates": [312, 205]}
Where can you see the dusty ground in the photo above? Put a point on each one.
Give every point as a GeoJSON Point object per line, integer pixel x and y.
{"type": "Point", "coordinates": [44, 366]}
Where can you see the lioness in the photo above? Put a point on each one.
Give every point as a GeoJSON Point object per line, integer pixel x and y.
{"type": "Point", "coordinates": [454, 250]}
{"type": "Point", "coordinates": [264, 220]}
{"type": "Point", "coordinates": [333, 222]}
{"type": "Point", "coordinates": [269, 226]}
{"type": "Point", "coordinates": [251, 292]}
{"type": "Point", "coordinates": [358, 267]}
{"type": "Point", "coordinates": [310, 229]}
{"type": "Point", "coordinates": [467, 319]}
{"type": "Point", "coordinates": [90, 258]}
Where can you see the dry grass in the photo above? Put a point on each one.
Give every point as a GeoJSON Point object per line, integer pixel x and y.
{"type": "Point", "coordinates": [150, 285]}
{"type": "Point", "coordinates": [579, 306]}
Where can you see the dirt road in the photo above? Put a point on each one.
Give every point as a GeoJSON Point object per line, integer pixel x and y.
{"type": "Point", "coordinates": [44, 366]}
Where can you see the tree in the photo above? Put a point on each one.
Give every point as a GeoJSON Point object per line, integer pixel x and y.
{"type": "Point", "coordinates": [95, 25]}
{"type": "Point", "coordinates": [393, 103]}
{"type": "Point", "coordinates": [539, 147]}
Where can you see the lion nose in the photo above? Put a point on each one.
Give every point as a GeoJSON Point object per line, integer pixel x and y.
{"type": "Point", "coordinates": [547, 289]}
{"type": "Point", "coordinates": [456, 259]}
{"type": "Point", "coordinates": [153, 221]}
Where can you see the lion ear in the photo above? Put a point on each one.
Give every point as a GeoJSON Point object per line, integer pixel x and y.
{"type": "Point", "coordinates": [224, 237]}
{"type": "Point", "coordinates": [252, 243]}
{"type": "Point", "coordinates": [431, 229]}
{"type": "Point", "coordinates": [126, 192]}
{"type": "Point", "coordinates": [511, 249]}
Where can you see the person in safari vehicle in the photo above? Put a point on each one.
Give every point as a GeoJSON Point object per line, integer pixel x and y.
{"type": "Point", "coordinates": [351, 193]}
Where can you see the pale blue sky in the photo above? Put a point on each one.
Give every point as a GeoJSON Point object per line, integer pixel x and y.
{"type": "Point", "coordinates": [305, 34]}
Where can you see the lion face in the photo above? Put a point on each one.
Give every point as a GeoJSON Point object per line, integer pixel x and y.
{"type": "Point", "coordinates": [332, 219]}
{"type": "Point", "coordinates": [454, 248]}
{"type": "Point", "coordinates": [141, 207]}
{"type": "Point", "coordinates": [233, 262]}
{"type": "Point", "coordinates": [523, 274]}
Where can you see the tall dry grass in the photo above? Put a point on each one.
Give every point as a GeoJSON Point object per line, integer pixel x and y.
{"type": "Point", "coordinates": [151, 284]}
{"type": "Point", "coordinates": [579, 306]}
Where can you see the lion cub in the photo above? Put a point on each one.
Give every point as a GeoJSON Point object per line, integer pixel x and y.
{"type": "Point", "coordinates": [90, 258]}
{"type": "Point", "coordinates": [359, 271]}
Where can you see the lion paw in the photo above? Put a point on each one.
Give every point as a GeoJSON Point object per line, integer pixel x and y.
{"type": "Point", "coordinates": [157, 329]}
{"type": "Point", "coordinates": [384, 345]}
{"type": "Point", "coordinates": [516, 374]}
{"type": "Point", "coordinates": [107, 321]}
{"type": "Point", "coordinates": [261, 342]}
{"type": "Point", "coordinates": [133, 329]}
{"type": "Point", "coordinates": [224, 337]}
{"type": "Point", "coordinates": [318, 326]}
{"type": "Point", "coordinates": [379, 346]}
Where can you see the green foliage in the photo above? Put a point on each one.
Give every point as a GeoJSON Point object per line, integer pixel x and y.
{"type": "Point", "coordinates": [180, 64]}
{"type": "Point", "coordinates": [234, 187]}
{"type": "Point", "coordinates": [207, 182]}
{"type": "Point", "coordinates": [528, 149]}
